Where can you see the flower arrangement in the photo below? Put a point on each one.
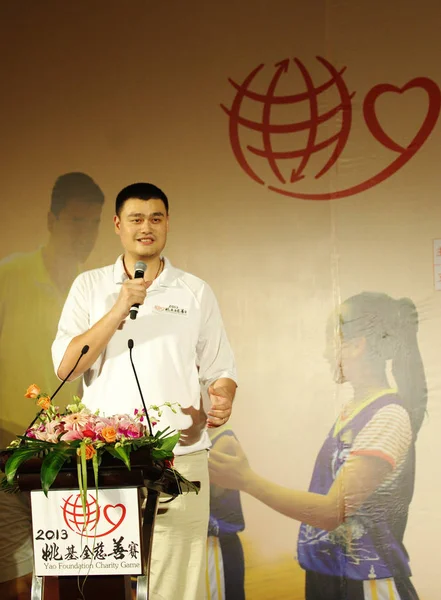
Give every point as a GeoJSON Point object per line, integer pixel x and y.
{"type": "Point", "coordinates": [78, 434]}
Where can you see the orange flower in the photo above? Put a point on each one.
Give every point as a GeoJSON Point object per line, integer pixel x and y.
{"type": "Point", "coordinates": [44, 402]}
{"type": "Point", "coordinates": [108, 434]}
{"type": "Point", "coordinates": [90, 451]}
{"type": "Point", "coordinates": [32, 391]}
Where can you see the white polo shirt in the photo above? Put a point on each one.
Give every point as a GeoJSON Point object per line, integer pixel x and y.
{"type": "Point", "coordinates": [179, 344]}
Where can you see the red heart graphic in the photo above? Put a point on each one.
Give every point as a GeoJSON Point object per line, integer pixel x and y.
{"type": "Point", "coordinates": [114, 522]}
{"type": "Point", "coordinates": [404, 154]}
{"type": "Point", "coordinates": [433, 110]}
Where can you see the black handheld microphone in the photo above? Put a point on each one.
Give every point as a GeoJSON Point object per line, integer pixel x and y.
{"type": "Point", "coordinates": [84, 350]}
{"type": "Point", "coordinates": [140, 269]}
{"type": "Point", "coordinates": [130, 345]}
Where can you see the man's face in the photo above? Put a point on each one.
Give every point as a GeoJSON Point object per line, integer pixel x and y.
{"type": "Point", "coordinates": [142, 227]}
{"type": "Point", "coordinates": [75, 228]}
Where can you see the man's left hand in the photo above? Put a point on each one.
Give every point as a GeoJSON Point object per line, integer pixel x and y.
{"type": "Point", "coordinates": [221, 406]}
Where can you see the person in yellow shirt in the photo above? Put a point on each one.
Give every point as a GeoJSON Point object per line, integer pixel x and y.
{"type": "Point", "coordinates": [34, 287]}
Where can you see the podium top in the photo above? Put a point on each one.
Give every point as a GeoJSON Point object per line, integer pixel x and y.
{"type": "Point", "coordinates": [144, 472]}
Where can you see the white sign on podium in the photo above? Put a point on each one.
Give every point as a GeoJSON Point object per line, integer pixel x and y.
{"type": "Point", "coordinates": [103, 540]}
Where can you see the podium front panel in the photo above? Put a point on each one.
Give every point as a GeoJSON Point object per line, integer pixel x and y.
{"type": "Point", "coordinates": [101, 538]}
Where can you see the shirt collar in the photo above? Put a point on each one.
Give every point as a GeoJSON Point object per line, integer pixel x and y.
{"type": "Point", "coordinates": [168, 277]}
{"type": "Point", "coordinates": [119, 273]}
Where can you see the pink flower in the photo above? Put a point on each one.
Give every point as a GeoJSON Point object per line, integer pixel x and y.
{"type": "Point", "coordinates": [76, 421]}
{"type": "Point", "coordinates": [46, 437]}
{"type": "Point", "coordinates": [106, 422]}
{"type": "Point", "coordinates": [48, 432]}
{"type": "Point", "coordinates": [130, 429]}
{"type": "Point", "coordinates": [54, 427]}
{"type": "Point", "coordinates": [71, 435]}
{"type": "Point", "coordinates": [116, 419]}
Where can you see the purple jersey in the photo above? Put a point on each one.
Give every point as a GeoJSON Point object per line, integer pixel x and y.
{"type": "Point", "coordinates": [368, 544]}
{"type": "Point", "coordinates": [226, 514]}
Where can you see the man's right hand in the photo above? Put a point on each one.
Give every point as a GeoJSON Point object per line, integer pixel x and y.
{"type": "Point", "coordinates": [133, 291]}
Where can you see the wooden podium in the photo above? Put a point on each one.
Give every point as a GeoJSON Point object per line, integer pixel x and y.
{"type": "Point", "coordinates": [144, 473]}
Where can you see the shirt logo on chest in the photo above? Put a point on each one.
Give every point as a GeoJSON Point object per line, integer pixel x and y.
{"type": "Point", "coordinates": [173, 309]}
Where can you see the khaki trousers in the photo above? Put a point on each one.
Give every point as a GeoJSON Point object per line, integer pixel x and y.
{"type": "Point", "coordinates": [180, 537]}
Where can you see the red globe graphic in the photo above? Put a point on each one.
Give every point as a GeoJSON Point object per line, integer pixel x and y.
{"type": "Point", "coordinates": [288, 166]}
{"type": "Point", "coordinates": [79, 521]}
{"type": "Point", "coordinates": [300, 134]}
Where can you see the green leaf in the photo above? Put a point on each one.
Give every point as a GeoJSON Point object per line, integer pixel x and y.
{"type": "Point", "coordinates": [158, 454]}
{"type": "Point", "coordinates": [119, 453]}
{"type": "Point", "coordinates": [170, 442]}
{"type": "Point", "coordinates": [33, 443]}
{"type": "Point", "coordinates": [83, 490]}
{"type": "Point", "coordinates": [181, 479]}
{"type": "Point", "coordinates": [51, 466]}
{"type": "Point", "coordinates": [20, 456]}
{"type": "Point", "coordinates": [95, 464]}
{"type": "Point", "coordinates": [159, 434]}
{"type": "Point", "coordinates": [95, 476]}
{"type": "Point", "coordinates": [80, 482]}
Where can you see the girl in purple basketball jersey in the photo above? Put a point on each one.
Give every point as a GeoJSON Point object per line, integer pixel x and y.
{"type": "Point", "coordinates": [355, 512]}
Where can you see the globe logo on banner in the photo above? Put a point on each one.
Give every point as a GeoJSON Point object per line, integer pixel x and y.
{"type": "Point", "coordinates": [94, 521]}
{"type": "Point", "coordinates": [288, 129]}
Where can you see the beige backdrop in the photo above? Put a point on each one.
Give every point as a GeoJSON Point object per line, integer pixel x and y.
{"type": "Point", "coordinates": [128, 91]}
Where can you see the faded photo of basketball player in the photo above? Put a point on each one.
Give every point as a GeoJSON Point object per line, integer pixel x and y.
{"type": "Point", "coordinates": [34, 286]}
{"type": "Point", "coordinates": [225, 565]}
{"type": "Point", "coordinates": [354, 516]}
{"type": "Point", "coordinates": [225, 556]}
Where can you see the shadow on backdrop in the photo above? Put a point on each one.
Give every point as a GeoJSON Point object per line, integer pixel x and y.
{"type": "Point", "coordinates": [34, 287]}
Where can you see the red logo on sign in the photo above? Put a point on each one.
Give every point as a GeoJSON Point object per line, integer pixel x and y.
{"type": "Point", "coordinates": [95, 521]}
{"type": "Point", "coordinates": [288, 166]}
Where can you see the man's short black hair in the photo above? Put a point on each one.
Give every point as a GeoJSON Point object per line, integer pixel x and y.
{"type": "Point", "coordinates": [139, 191]}
{"type": "Point", "coordinates": [78, 186]}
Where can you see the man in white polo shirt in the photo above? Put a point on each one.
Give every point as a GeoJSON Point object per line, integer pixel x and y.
{"type": "Point", "coordinates": [180, 347]}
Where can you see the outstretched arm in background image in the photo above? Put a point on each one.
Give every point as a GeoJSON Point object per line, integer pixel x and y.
{"type": "Point", "coordinates": [356, 481]}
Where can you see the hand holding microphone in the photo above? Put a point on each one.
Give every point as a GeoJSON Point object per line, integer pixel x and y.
{"type": "Point", "coordinates": [133, 293]}
{"type": "Point", "coordinates": [140, 269]}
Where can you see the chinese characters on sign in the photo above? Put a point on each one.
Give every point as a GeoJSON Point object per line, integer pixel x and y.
{"type": "Point", "coordinates": [105, 537]}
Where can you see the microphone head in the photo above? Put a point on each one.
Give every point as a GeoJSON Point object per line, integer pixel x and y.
{"type": "Point", "coordinates": [140, 267]}
{"type": "Point", "coordinates": [85, 349]}
{"type": "Point", "coordinates": [130, 344]}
